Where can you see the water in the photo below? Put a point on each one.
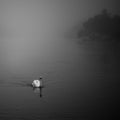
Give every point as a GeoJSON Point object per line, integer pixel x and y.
{"type": "Point", "coordinates": [75, 87]}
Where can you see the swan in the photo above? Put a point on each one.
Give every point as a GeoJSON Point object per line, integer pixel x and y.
{"type": "Point", "coordinates": [37, 83]}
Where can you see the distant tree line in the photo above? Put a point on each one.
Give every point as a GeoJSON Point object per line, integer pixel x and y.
{"type": "Point", "coordinates": [102, 25]}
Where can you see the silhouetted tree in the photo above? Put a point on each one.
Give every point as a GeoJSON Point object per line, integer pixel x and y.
{"type": "Point", "coordinates": [104, 25]}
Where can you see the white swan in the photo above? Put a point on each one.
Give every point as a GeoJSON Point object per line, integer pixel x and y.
{"type": "Point", "coordinates": [37, 83]}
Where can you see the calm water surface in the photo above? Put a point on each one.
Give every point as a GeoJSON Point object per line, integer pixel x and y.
{"type": "Point", "coordinates": [75, 86]}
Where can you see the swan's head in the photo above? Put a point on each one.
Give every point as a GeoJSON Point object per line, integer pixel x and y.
{"type": "Point", "coordinates": [40, 78]}
{"type": "Point", "coordinates": [36, 83]}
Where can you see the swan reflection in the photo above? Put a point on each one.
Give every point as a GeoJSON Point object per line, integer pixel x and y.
{"type": "Point", "coordinates": [38, 91]}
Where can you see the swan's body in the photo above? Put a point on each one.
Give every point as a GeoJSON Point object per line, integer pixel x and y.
{"type": "Point", "coordinates": [36, 83]}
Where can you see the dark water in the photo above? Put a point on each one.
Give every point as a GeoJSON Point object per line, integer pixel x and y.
{"type": "Point", "coordinates": [76, 86]}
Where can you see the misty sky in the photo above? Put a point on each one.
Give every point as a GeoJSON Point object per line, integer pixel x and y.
{"type": "Point", "coordinates": [29, 28]}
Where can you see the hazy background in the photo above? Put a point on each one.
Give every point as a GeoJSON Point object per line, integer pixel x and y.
{"type": "Point", "coordinates": [33, 42]}
{"type": "Point", "coordinates": [30, 31]}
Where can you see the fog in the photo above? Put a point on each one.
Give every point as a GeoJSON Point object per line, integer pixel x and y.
{"type": "Point", "coordinates": [36, 40]}
{"type": "Point", "coordinates": [32, 32]}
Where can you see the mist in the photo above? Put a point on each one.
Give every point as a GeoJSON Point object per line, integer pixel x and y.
{"type": "Point", "coordinates": [36, 40]}
{"type": "Point", "coordinates": [32, 32]}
